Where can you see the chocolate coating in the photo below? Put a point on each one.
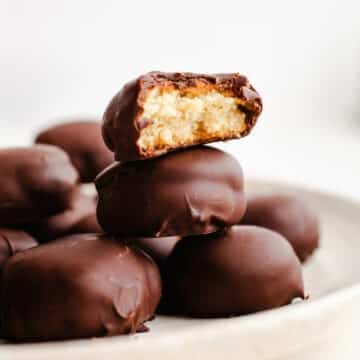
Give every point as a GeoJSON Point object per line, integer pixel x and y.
{"type": "Point", "coordinates": [241, 270]}
{"type": "Point", "coordinates": [12, 242]}
{"type": "Point", "coordinates": [287, 215]}
{"type": "Point", "coordinates": [158, 248]}
{"type": "Point", "coordinates": [35, 182]}
{"type": "Point", "coordinates": [194, 191]}
{"type": "Point", "coordinates": [77, 287]}
{"type": "Point", "coordinates": [88, 224]}
{"type": "Point", "coordinates": [83, 141]}
{"type": "Point", "coordinates": [80, 217]}
{"type": "Point", "coordinates": [123, 122]}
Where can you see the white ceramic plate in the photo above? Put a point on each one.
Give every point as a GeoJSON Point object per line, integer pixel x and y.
{"type": "Point", "coordinates": [324, 327]}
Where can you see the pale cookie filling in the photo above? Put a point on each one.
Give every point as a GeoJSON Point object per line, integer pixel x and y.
{"type": "Point", "coordinates": [176, 119]}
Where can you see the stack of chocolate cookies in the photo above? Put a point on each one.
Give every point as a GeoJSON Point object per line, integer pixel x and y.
{"type": "Point", "coordinates": [173, 232]}
{"type": "Point", "coordinates": [183, 201]}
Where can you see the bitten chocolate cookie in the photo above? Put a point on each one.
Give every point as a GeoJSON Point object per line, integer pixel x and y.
{"type": "Point", "coordinates": [12, 242]}
{"type": "Point", "coordinates": [287, 215]}
{"type": "Point", "coordinates": [80, 217]}
{"type": "Point", "coordinates": [240, 270]}
{"type": "Point", "coordinates": [78, 287]}
{"type": "Point", "coordinates": [159, 112]}
{"type": "Point", "coordinates": [35, 182]}
{"type": "Point", "coordinates": [194, 191]}
{"type": "Point", "coordinates": [83, 142]}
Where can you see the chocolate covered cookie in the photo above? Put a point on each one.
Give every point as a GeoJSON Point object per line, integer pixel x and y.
{"type": "Point", "coordinates": [78, 287]}
{"type": "Point", "coordinates": [194, 191]}
{"type": "Point", "coordinates": [35, 182]}
{"type": "Point", "coordinates": [83, 142]}
{"type": "Point", "coordinates": [240, 270]}
{"type": "Point", "coordinates": [289, 216]}
{"type": "Point", "coordinates": [159, 112]}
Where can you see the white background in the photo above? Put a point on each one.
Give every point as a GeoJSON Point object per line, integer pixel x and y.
{"type": "Point", "coordinates": [66, 58]}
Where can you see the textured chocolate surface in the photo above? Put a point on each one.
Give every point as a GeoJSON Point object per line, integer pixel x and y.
{"type": "Point", "coordinates": [35, 182]}
{"type": "Point", "coordinates": [123, 120]}
{"type": "Point", "coordinates": [80, 217]}
{"type": "Point", "coordinates": [12, 242]}
{"type": "Point", "coordinates": [195, 191]}
{"type": "Point", "coordinates": [241, 270]}
{"type": "Point", "coordinates": [77, 287]}
{"type": "Point", "coordinates": [83, 141]}
{"type": "Point", "coordinates": [287, 215]}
